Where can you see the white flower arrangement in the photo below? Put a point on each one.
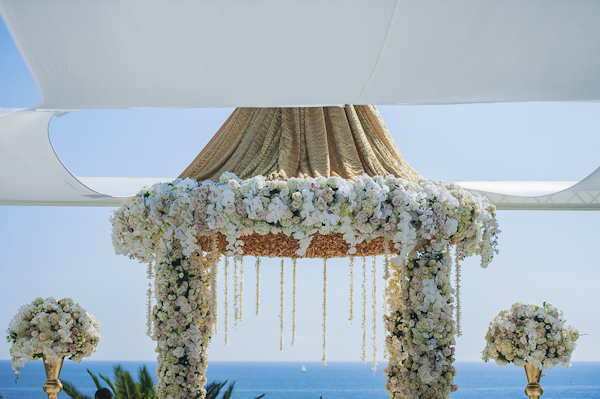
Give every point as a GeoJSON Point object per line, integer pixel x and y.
{"type": "Point", "coordinates": [52, 328]}
{"type": "Point", "coordinates": [529, 333]}
{"type": "Point", "coordinates": [164, 222]}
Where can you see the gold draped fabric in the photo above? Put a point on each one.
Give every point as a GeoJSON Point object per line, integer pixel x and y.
{"type": "Point", "coordinates": [280, 143]}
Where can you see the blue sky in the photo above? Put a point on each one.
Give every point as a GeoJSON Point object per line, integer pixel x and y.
{"type": "Point", "coordinates": [544, 256]}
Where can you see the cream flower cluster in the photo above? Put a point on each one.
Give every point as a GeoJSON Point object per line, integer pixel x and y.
{"type": "Point", "coordinates": [52, 328]}
{"type": "Point", "coordinates": [363, 209]}
{"type": "Point", "coordinates": [529, 333]}
{"type": "Point", "coordinates": [421, 326]}
{"type": "Point", "coordinates": [182, 324]}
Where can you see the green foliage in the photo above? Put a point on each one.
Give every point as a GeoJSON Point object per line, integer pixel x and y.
{"type": "Point", "coordinates": [213, 389]}
{"type": "Point", "coordinates": [72, 391]}
{"type": "Point", "coordinates": [145, 383]}
{"type": "Point", "coordinates": [124, 386]}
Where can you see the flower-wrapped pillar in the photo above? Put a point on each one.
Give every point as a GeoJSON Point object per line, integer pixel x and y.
{"type": "Point", "coordinates": [182, 324]}
{"type": "Point", "coordinates": [421, 326]}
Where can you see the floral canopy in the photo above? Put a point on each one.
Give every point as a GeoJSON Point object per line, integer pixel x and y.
{"type": "Point", "coordinates": [310, 185]}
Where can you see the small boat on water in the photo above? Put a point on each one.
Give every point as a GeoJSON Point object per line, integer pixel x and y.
{"type": "Point", "coordinates": [303, 369]}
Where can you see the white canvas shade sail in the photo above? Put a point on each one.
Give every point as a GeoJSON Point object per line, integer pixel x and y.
{"type": "Point", "coordinates": [262, 53]}
{"type": "Point", "coordinates": [32, 174]}
{"type": "Point", "coordinates": [273, 53]}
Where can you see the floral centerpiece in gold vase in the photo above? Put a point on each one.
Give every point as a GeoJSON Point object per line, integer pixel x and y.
{"type": "Point", "coordinates": [52, 330]}
{"type": "Point", "coordinates": [533, 337]}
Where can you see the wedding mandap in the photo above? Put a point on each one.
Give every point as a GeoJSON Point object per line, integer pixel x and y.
{"type": "Point", "coordinates": [305, 166]}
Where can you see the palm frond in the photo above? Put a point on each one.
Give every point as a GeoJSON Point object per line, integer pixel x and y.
{"type": "Point", "coordinates": [72, 392]}
{"type": "Point", "coordinates": [109, 382]}
{"type": "Point", "coordinates": [213, 389]}
{"type": "Point", "coordinates": [145, 383]}
{"type": "Point", "coordinates": [96, 381]}
{"type": "Point", "coordinates": [227, 394]}
{"type": "Point", "coordinates": [124, 384]}
{"type": "Point", "coordinates": [261, 396]}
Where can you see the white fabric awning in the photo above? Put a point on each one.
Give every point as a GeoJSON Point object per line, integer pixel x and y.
{"type": "Point", "coordinates": [157, 54]}
{"type": "Point", "coordinates": [541, 195]}
{"type": "Point", "coordinates": [32, 174]}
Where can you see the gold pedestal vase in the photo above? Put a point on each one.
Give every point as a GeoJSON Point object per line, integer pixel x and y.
{"type": "Point", "coordinates": [534, 390]}
{"type": "Point", "coordinates": [53, 386]}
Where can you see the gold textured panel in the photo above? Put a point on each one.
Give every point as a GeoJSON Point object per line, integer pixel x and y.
{"type": "Point", "coordinates": [280, 143]}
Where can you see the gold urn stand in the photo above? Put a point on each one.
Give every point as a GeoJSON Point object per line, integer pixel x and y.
{"type": "Point", "coordinates": [534, 390]}
{"type": "Point", "coordinates": [53, 386]}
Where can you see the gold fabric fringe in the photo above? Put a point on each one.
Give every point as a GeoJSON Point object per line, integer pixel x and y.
{"type": "Point", "coordinates": [280, 143]}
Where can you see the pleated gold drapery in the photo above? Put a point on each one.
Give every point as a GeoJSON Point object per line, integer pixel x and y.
{"type": "Point", "coordinates": [280, 143]}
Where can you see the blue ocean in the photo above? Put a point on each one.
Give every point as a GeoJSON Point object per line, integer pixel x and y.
{"type": "Point", "coordinates": [347, 380]}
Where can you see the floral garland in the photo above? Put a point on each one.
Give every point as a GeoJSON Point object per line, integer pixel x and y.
{"type": "Point", "coordinates": [363, 209]}
{"type": "Point", "coordinates": [54, 329]}
{"type": "Point", "coordinates": [529, 333]}
{"type": "Point", "coordinates": [421, 326]}
{"type": "Point", "coordinates": [171, 217]}
{"type": "Point", "coordinates": [182, 324]}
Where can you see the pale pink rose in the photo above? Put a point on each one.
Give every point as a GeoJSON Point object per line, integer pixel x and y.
{"type": "Point", "coordinates": [187, 308]}
{"type": "Point", "coordinates": [361, 217]}
{"type": "Point", "coordinates": [182, 300]}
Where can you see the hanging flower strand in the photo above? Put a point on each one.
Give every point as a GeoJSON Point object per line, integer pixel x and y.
{"type": "Point", "coordinates": [386, 276]}
{"type": "Point", "coordinates": [241, 293]}
{"type": "Point", "coordinates": [351, 318]}
{"type": "Point", "coordinates": [226, 318]}
{"type": "Point", "coordinates": [324, 360]}
{"type": "Point", "coordinates": [386, 261]}
{"type": "Point", "coordinates": [364, 318]}
{"type": "Point", "coordinates": [236, 295]}
{"type": "Point", "coordinates": [294, 305]}
{"type": "Point", "coordinates": [457, 264]}
{"type": "Point", "coordinates": [149, 318]}
{"type": "Point", "coordinates": [281, 320]}
{"type": "Point", "coordinates": [257, 284]}
{"type": "Point", "coordinates": [214, 254]}
{"type": "Point", "coordinates": [374, 315]}
{"type": "Point", "coordinates": [149, 314]}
